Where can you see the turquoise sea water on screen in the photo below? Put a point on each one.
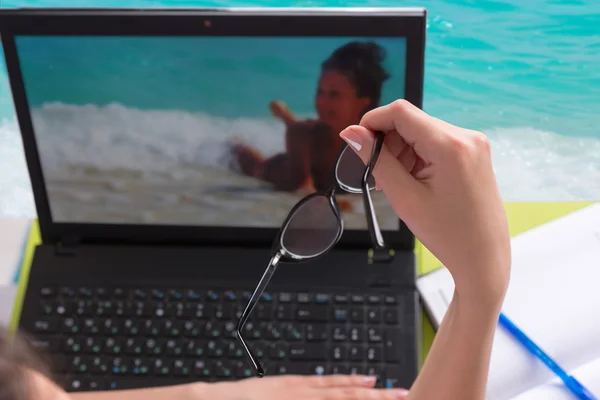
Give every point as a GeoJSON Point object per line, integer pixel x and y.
{"type": "Point", "coordinates": [527, 73]}
{"type": "Point", "coordinates": [232, 77]}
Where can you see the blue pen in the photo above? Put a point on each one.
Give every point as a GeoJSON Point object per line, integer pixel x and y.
{"type": "Point", "coordinates": [570, 382]}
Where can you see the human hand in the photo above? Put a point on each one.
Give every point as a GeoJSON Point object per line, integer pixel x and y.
{"type": "Point", "coordinates": [281, 111]}
{"type": "Point", "coordinates": [292, 387]}
{"type": "Point", "coordinates": [440, 181]}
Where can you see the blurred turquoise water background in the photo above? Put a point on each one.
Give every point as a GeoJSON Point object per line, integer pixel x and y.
{"type": "Point", "coordinates": [527, 73]}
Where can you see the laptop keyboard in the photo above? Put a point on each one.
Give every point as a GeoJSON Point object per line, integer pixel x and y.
{"type": "Point", "coordinates": [101, 338]}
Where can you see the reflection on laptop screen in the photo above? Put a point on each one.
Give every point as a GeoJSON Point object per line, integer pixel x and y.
{"type": "Point", "coordinates": [192, 130]}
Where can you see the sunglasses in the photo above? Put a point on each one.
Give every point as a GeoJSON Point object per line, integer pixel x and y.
{"type": "Point", "coordinates": [315, 225]}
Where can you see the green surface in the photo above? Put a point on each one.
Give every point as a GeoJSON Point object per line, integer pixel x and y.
{"type": "Point", "coordinates": [521, 217]}
{"type": "Point", "coordinates": [33, 240]}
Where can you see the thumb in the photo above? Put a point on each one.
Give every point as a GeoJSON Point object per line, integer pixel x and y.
{"type": "Point", "coordinates": [390, 175]}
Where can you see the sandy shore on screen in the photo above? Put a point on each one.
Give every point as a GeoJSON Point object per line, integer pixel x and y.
{"type": "Point", "coordinates": [189, 195]}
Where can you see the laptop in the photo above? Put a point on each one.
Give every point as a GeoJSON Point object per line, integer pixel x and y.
{"type": "Point", "coordinates": [143, 132]}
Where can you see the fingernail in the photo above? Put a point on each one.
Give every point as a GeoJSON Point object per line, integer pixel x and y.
{"type": "Point", "coordinates": [352, 138]}
{"type": "Point", "coordinates": [401, 393]}
{"type": "Point", "coordinates": [369, 380]}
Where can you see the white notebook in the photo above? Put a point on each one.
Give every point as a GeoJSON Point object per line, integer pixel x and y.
{"type": "Point", "coordinates": [554, 297]}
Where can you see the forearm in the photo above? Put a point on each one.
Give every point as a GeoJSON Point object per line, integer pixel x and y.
{"type": "Point", "coordinates": [457, 365]}
{"type": "Point", "coordinates": [193, 391]}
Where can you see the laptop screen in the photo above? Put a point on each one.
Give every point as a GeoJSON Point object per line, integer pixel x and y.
{"type": "Point", "coordinates": [210, 131]}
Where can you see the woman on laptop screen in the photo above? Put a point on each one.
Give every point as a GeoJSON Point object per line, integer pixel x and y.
{"type": "Point", "coordinates": [350, 84]}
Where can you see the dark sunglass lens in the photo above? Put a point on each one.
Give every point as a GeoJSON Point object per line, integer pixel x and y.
{"type": "Point", "coordinates": [312, 229]}
{"type": "Point", "coordinates": [349, 172]}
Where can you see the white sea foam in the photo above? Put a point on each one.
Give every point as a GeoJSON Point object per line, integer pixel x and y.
{"type": "Point", "coordinates": [118, 137]}
{"type": "Point", "coordinates": [167, 146]}
{"type": "Point", "coordinates": [16, 199]}
{"type": "Point", "coordinates": [533, 165]}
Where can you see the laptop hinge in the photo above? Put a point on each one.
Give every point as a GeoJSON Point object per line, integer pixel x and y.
{"type": "Point", "coordinates": [381, 255]}
{"type": "Point", "coordinates": [67, 246]}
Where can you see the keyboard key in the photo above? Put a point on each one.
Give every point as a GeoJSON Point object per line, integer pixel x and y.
{"type": "Point", "coordinates": [357, 334]}
{"type": "Point", "coordinates": [374, 335]}
{"type": "Point", "coordinates": [46, 325]}
{"type": "Point", "coordinates": [284, 312]}
{"type": "Point", "coordinates": [308, 351]}
{"type": "Point", "coordinates": [47, 308]}
{"type": "Point", "coordinates": [392, 375]}
{"type": "Point", "coordinates": [390, 316]}
{"type": "Point", "coordinates": [374, 353]}
{"type": "Point", "coordinates": [316, 333]}
{"type": "Point", "coordinates": [321, 298]}
{"type": "Point", "coordinates": [374, 299]}
{"type": "Point", "coordinates": [340, 314]}
{"type": "Point", "coordinates": [46, 343]}
{"type": "Point", "coordinates": [312, 313]}
{"type": "Point", "coordinates": [48, 291]}
{"type": "Point", "coordinates": [193, 295]}
{"type": "Point", "coordinates": [357, 353]}
{"type": "Point", "coordinates": [357, 315]}
{"type": "Point", "coordinates": [175, 295]}
{"type": "Point", "coordinates": [140, 366]}
{"type": "Point", "coordinates": [285, 297]}
{"type": "Point", "coordinates": [70, 325]}
{"type": "Point", "coordinates": [175, 347]}
{"type": "Point", "coordinates": [339, 353]}
{"type": "Point", "coordinates": [373, 316]}
{"type": "Point", "coordinates": [86, 292]}
{"type": "Point", "coordinates": [230, 296]}
{"type": "Point", "coordinates": [212, 296]}
{"type": "Point", "coordinates": [67, 292]}
{"type": "Point", "coordinates": [293, 333]}
{"type": "Point", "coordinates": [340, 298]}
{"type": "Point", "coordinates": [182, 367]}
{"type": "Point", "coordinates": [154, 346]}
{"type": "Point", "coordinates": [340, 333]}
{"type": "Point", "coordinates": [278, 351]}
{"type": "Point", "coordinates": [303, 298]}
{"type": "Point", "coordinates": [161, 367]}
{"type": "Point", "coordinates": [75, 385]}
{"type": "Point", "coordinates": [92, 345]}
{"type": "Point", "coordinates": [357, 299]}
{"type": "Point", "coordinates": [202, 368]}
{"type": "Point", "coordinates": [392, 346]}
{"type": "Point", "coordinates": [267, 297]}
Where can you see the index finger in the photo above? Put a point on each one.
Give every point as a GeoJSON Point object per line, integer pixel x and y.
{"type": "Point", "coordinates": [415, 126]}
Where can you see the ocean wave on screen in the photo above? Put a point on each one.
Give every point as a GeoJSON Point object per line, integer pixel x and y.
{"type": "Point", "coordinates": [530, 164]}
{"type": "Point", "coordinates": [534, 165]}
{"type": "Point", "coordinates": [115, 136]}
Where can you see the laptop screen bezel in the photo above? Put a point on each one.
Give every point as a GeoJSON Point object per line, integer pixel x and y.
{"type": "Point", "coordinates": [376, 22]}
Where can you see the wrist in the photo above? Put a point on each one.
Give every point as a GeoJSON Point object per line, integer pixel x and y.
{"type": "Point", "coordinates": [482, 287]}
{"type": "Point", "coordinates": [481, 308]}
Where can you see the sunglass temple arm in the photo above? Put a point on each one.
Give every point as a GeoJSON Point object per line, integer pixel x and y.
{"type": "Point", "coordinates": [260, 288]}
